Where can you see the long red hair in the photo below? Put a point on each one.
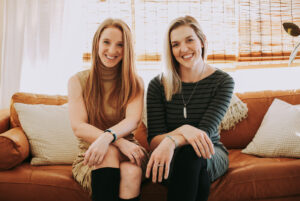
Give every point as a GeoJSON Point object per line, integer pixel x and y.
{"type": "Point", "coordinates": [126, 86]}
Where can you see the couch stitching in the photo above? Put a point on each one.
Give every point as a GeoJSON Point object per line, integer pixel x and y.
{"type": "Point", "coordinates": [263, 198]}
{"type": "Point", "coordinates": [273, 96]}
{"type": "Point", "coordinates": [271, 179]}
{"type": "Point", "coordinates": [30, 183]}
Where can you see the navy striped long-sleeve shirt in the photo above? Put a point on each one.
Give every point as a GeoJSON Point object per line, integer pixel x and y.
{"type": "Point", "coordinates": [205, 110]}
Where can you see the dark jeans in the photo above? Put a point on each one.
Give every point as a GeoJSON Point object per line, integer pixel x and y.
{"type": "Point", "coordinates": [188, 179]}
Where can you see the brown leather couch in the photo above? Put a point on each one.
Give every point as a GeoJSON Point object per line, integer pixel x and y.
{"type": "Point", "coordinates": [248, 178]}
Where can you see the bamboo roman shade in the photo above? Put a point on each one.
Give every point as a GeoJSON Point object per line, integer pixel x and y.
{"type": "Point", "coordinates": [237, 31]}
{"type": "Point", "coordinates": [261, 34]}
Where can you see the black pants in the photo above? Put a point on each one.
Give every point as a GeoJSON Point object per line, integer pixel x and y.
{"type": "Point", "coordinates": [188, 179]}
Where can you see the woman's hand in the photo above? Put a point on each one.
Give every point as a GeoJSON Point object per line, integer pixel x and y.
{"type": "Point", "coordinates": [160, 160]}
{"type": "Point", "coordinates": [199, 141]}
{"type": "Point", "coordinates": [130, 150]}
{"type": "Point", "coordinates": [97, 150]}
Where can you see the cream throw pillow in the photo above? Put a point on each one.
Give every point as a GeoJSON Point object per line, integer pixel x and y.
{"type": "Point", "coordinates": [49, 133]}
{"type": "Point", "coordinates": [278, 134]}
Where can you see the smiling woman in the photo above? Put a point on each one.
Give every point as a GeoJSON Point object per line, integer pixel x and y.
{"type": "Point", "coordinates": [187, 48]}
{"type": "Point", "coordinates": [105, 106]}
{"type": "Point", "coordinates": [185, 106]}
{"type": "Point", "coordinates": [111, 47]}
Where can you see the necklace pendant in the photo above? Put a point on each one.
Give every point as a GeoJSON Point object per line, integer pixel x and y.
{"type": "Point", "coordinates": [184, 112]}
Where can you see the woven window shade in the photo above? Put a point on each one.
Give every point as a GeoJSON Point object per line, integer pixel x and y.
{"type": "Point", "coordinates": [261, 34]}
{"type": "Point", "coordinates": [237, 31]}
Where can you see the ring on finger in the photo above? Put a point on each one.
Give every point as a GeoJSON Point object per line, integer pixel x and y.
{"type": "Point", "coordinates": [160, 165]}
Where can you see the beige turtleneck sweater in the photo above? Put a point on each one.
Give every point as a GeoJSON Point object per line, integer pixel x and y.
{"type": "Point", "coordinates": [109, 76]}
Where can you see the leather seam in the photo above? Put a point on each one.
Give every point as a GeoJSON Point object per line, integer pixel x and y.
{"type": "Point", "coordinates": [270, 179]}
{"type": "Point", "coordinates": [273, 96]}
{"type": "Point", "coordinates": [29, 183]}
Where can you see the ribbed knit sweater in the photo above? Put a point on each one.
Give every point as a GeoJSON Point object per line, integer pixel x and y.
{"type": "Point", "coordinates": [205, 110]}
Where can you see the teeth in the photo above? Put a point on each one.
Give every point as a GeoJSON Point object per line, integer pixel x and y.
{"type": "Point", "coordinates": [109, 57]}
{"type": "Point", "coordinates": [187, 56]}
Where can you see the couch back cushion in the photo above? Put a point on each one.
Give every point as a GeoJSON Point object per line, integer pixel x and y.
{"type": "Point", "coordinates": [258, 103]}
{"type": "Point", "coordinates": [237, 138]}
{"type": "Point", "coordinates": [28, 98]}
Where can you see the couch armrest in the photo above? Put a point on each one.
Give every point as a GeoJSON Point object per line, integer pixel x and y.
{"type": "Point", "coordinates": [4, 120]}
{"type": "Point", "coordinates": [14, 148]}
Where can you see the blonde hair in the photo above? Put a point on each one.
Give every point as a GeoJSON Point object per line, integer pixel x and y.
{"type": "Point", "coordinates": [126, 87]}
{"type": "Point", "coordinates": [171, 79]}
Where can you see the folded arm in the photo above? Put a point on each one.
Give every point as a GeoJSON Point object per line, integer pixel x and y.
{"type": "Point", "coordinates": [96, 137]}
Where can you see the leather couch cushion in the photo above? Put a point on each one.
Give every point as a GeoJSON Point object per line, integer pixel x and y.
{"type": "Point", "coordinates": [253, 178]}
{"type": "Point", "coordinates": [28, 98]}
{"type": "Point", "coordinates": [242, 134]}
{"type": "Point", "coordinates": [14, 148]}
{"type": "Point", "coordinates": [248, 178]}
{"type": "Point", "coordinates": [46, 183]}
{"type": "Point", "coordinates": [140, 135]}
{"type": "Point", "coordinates": [258, 104]}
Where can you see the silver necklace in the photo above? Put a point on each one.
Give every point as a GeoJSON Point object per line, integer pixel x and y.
{"type": "Point", "coordinates": [185, 104]}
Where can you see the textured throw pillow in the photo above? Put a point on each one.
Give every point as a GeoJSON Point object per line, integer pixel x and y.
{"type": "Point", "coordinates": [49, 133]}
{"type": "Point", "coordinates": [236, 112]}
{"type": "Point", "coordinates": [278, 134]}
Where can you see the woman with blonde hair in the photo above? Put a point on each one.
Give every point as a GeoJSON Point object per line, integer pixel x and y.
{"type": "Point", "coordinates": [105, 106]}
{"type": "Point", "coordinates": [185, 107]}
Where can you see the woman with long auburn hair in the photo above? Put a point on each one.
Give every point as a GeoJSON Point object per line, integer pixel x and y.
{"type": "Point", "coordinates": [185, 107]}
{"type": "Point", "coordinates": [105, 106]}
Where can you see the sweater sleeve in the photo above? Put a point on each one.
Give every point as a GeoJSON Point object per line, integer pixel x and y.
{"type": "Point", "coordinates": [217, 108]}
{"type": "Point", "coordinates": [156, 119]}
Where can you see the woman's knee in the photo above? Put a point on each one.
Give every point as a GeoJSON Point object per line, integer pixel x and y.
{"type": "Point", "coordinates": [111, 158]}
{"type": "Point", "coordinates": [113, 151]}
{"type": "Point", "coordinates": [187, 155]}
{"type": "Point", "coordinates": [187, 151]}
{"type": "Point", "coordinates": [130, 172]}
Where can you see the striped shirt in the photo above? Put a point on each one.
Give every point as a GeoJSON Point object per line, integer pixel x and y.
{"type": "Point", "coordinates": [205, 110]}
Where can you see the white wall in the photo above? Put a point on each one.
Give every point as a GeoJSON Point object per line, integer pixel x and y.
{"type": "Point", "coordinates": [1, 29]}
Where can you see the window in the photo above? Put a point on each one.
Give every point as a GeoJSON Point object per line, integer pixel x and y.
{"type": "Point", "coordinates": [240, 32]}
